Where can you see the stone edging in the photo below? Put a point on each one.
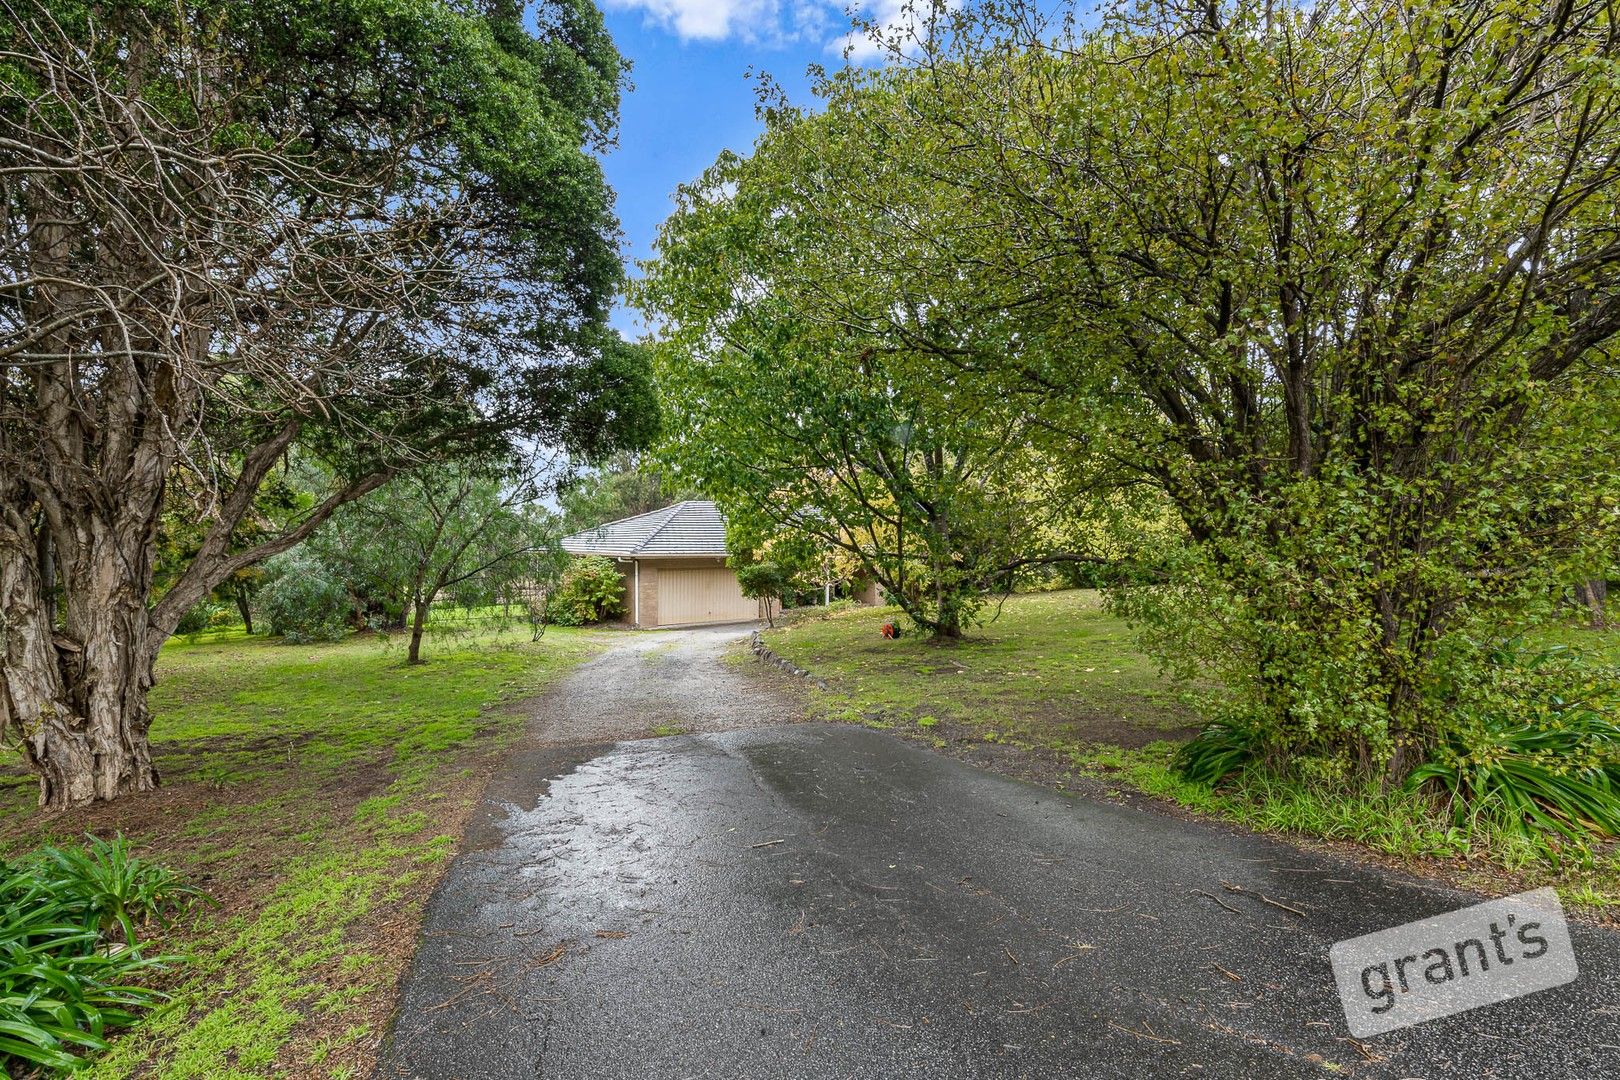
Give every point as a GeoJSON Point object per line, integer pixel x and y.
{"type": "Point", "coordinates": [756, 645]}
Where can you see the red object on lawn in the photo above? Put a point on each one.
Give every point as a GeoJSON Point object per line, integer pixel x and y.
{"type": "Point", "coordinates": [890, 630]}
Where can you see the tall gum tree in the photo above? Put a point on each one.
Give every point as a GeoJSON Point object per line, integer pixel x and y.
{"type": "Point", "coordinates": [372, 232]}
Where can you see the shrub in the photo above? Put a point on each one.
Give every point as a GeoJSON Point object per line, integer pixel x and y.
{"type": "Point", "coordinates": [69, 953]}
{"type": "Point", "coordinates": [207, 614]}
{"type": "Point", "coordinates": [301, 599]}
{"type": "Point", "coordinates": [591, 590]}
{"type": "Point", "coordinates": [112, 888]}
{"type": "Point", "coordinates": [767, 580]}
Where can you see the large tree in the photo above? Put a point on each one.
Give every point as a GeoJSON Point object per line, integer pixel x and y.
{"type": "Point", "coordinates": [1338, 279]}
{"type": "Point", "coordinates": [935, 489]}
{"type": "Point", "coordinates": [371, 231]}
{"type": "Point", "coordinates": [467, 531]}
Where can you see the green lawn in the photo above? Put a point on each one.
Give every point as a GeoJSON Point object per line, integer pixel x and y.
{"type": "Point", "coordinates": [316, 791]}
{"type": "Point", "coordinates": [1055, 682]}
{"type": "Point", "coordinates": [1050, 668]}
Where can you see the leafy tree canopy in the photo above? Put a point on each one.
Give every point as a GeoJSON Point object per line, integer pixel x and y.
{"type": "Point", "coordinates": [374, 232]}
{"type": "Point", "coordinates": [1337, 282]}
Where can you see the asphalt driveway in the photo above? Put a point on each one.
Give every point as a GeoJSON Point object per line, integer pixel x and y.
{"type": "Point", "coordinates": [769, 899]}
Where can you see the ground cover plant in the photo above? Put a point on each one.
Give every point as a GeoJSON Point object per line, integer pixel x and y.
{"type": "Point", "coordinates": [73, 966]}
{"type": "Point", "coordinates": [315, 791]}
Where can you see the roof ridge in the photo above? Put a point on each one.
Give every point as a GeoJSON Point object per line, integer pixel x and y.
{"type": "Point", "coordinates": [670, 512]}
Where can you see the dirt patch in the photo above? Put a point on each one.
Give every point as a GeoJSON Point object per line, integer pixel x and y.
{"type": "Point", "coordinates": [261, 823]}
{"type": "Point", "coordinates": [389, 934]}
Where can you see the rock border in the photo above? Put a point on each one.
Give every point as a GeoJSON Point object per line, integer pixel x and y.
{"type": "Point", "coordinates": [764, 655]}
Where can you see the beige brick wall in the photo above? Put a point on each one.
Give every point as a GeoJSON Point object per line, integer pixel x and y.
{"type": "Point", "coordinates": [647, 615]}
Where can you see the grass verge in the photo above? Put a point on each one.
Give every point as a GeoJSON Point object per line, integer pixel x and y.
{"type": "Point", "coordinates": [1051, 668]}
{"type": "Point", "coordinates": [1053, 691]}
{"type": "Point", "coordinates": [316, 792]}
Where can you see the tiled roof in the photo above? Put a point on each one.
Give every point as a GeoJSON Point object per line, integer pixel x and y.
{"type": "Point", "coordinates": [687, 528]}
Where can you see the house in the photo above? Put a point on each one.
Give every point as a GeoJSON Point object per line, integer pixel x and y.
{"type": "Point", "coordinates": [674, 566]}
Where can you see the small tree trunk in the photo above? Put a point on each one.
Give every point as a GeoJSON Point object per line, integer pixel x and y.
{"type": "Point", "coordinates": [1593, 596]}
{"type": "Point", "coordinates": [246, 608]}
{"type": "Point", "coordinates": [418, 624]}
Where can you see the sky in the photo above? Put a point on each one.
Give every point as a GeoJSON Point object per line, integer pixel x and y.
{"type": "Point", "coordinates": [692, 96]}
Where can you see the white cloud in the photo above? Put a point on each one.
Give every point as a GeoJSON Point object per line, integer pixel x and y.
{"type": "Point", "coordinates": [781, 22]}
{"type": "Point", "coordinates": [888, 18]}
{"type": "Point", "coordinates": [753, 21]}
{"type": "Point", "coordinates": [892, 25]}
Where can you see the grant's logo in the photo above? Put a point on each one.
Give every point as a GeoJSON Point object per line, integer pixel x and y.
{"type": "Point", "coordinates": [1454, 962]}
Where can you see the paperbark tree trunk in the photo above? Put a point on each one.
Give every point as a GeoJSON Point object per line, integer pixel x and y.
{"type": "Point", "coordinates": [75, 695]}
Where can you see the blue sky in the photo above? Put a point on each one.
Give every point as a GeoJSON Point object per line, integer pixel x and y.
{"type": "Point", "coordinates": [692, 97]}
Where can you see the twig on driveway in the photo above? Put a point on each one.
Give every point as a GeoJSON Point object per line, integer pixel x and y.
{"type": "Point", "coordinates": [1218, 900]}
{"type": "Point", "coordinates": [1360, 1049]}
{"type": "Point", "coordinates": [481, 978]}
{"type": "Point", "coordinates": [768, 843]}
{"type": "Point", "coordinates": [1149, 1037]}
{"type": "Point", "coordinates": [1262, 897]}
{"type": "Point", "coordinates": [551, 957]}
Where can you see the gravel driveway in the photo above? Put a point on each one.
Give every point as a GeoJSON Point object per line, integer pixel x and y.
{"type": "Point", "coordinates": [668, 678]}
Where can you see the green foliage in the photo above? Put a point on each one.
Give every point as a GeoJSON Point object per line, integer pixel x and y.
{"type": "Point", "coordinates": [624, 486]}
{"type": "Point", "coordinates": [591, 591]}
{"type": "Point", "coordinates": [425, 254]}
{"type": "Point", "coordinates": [1215, 752]}
{"type": "Point", "coordinates": [69, 954]}
{"type": "Point", "coordinates": [766, 579]}
{"type": "Point", "coordinates": [113, 889]}
{"type": "Point", "coordinates": [302, 600]}
{"type": "Point", "coordinates": [209, 613]}
{"type": "Point", "coordinates": [937, 486]}
{"type": "Point", "coordinates": [1394, 822]}
{"type": "Point", "coordinates": [771, 579]}
{"type": "Point", "coordinates": [1238, 253]}
{"type": "Point", "coordinates": [468, 533]}
{"type": "Point", "coordinates": [258, 979]}
{"type": "Point", "coordinates": [1536, 746]}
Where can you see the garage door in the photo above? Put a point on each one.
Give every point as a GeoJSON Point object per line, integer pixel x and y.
{"type": "Point", "coordinates": [702, 596]}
